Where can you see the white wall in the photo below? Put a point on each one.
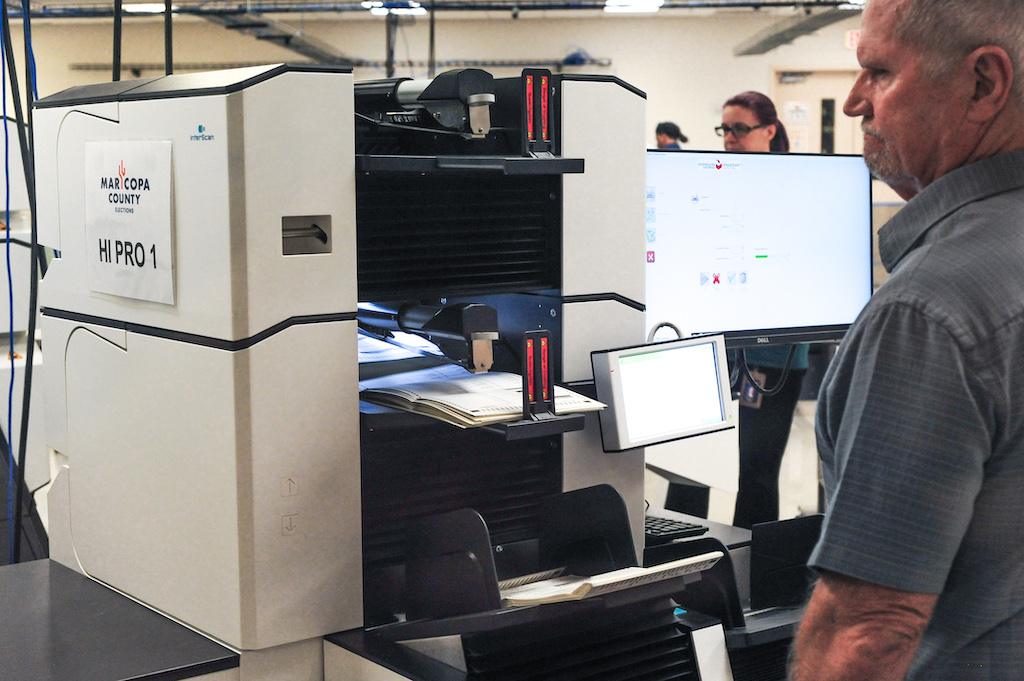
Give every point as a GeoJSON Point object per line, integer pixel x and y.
{"type": "Point", "coordinates": [683, 62]}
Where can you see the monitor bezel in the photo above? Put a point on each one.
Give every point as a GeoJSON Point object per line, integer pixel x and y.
{"type": "Point", "coordinates": [758, 338]}
{"type": "Point", "coordinates": [612, 418]}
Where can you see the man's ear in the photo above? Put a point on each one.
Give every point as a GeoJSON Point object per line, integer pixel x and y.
{"type": "Point", "coordinates": [993, 74]}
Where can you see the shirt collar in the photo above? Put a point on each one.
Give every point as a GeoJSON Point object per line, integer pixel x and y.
{"type": "Point", "coordinates": [947, 194]}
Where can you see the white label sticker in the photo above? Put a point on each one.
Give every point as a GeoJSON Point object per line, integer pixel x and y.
{"type": "Point", "coordinates": [128, 219]}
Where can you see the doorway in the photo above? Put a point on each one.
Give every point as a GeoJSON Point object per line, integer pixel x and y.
{"type": "Point", "coordinates": [810, 105]}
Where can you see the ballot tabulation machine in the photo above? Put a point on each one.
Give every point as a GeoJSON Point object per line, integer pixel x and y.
{"type": "Point", "coordinates": [225, 240]}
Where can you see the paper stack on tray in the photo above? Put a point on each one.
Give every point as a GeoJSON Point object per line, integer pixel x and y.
{"type": "Point", "coordinates": [454, 395]}
{"type": "Point", "coordinates": [571, 587]}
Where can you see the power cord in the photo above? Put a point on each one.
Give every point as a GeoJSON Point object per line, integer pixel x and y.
{"type": "Point", "coordinates": [767, 392]}
{"type": "Point", "coordinates": [13, 508]}
{"type": "Point", "coordinates": [24, 137]}
{"type": "Point", "coordinates": [663, 325]}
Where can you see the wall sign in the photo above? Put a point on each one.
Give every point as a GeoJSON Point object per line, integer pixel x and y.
{"type": "Point", "coordinates": [798, 138]}
{"type": "Point", "coordinates": [796, 112]}
{"type": "Point", "coordinates": [128, 225]}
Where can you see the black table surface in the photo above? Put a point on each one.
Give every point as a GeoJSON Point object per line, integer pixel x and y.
{"type": "Point", "coordinates": [58, 625]}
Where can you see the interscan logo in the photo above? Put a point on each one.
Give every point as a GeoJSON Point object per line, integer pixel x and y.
{"type": "Point", "coordinates": [202, 136]}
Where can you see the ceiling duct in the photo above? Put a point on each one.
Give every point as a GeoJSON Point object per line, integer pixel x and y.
{"type": "Point", "coordinates": [263, 28]}
{"type": "Point", "coordinates": [788, 30]}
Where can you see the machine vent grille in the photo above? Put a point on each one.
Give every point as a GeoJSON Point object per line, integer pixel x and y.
{"type": "Point", "coordinates": [766, 662]}
{"type": "Point", "coordinates": [649, 645]}
{"type": "Point", "coordinates": [402, 480]}
{"type": "Point", "coordinates": [456, 234]}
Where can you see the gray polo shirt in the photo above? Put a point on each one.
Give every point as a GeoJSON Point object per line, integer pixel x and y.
{"type": "Point", "coordinates": [920, 423]}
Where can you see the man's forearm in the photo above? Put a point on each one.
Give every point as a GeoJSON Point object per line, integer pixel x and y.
{"type": "Point", "coordinates": [856, 631]}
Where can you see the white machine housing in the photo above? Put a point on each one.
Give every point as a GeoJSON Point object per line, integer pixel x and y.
{"type": "Point", "coordinates": [212, 444]}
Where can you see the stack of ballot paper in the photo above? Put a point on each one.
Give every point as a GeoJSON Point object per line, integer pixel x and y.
{"type": "Point", "coordinates": [456, 396]}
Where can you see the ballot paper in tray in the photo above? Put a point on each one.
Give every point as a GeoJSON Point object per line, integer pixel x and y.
{"type": "Point", "coordinates": [553, 589]}
{"type": "Point", "coordinates": [454, 395]}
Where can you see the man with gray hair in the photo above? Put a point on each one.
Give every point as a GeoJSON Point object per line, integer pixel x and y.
{"type": "Point", "coordinates": [920, 420]}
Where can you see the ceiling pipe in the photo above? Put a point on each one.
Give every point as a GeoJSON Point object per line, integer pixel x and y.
{"type": "Point", "coordinates": [94, 10]}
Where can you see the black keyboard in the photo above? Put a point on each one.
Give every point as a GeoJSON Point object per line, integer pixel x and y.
{"type": "Point", "coordinates": [661, 530]}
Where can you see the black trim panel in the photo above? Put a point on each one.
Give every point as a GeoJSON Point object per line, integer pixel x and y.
{"type": "Point", "coordinates": [370, 163]}
{"type": "Point", "coordinates": [604, 79]}
{"type": "Point", "coordinates": [196, 339]}
{"type": "Point", "coordinates": [598, 297]}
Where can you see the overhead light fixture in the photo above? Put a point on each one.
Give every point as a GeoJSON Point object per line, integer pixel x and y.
{"type": "Point", "coordinates": [633, 6]}
{"type": "Point", "coordinates": [146, 8]}
{"type": "Point", "coordinates": [381, 9]}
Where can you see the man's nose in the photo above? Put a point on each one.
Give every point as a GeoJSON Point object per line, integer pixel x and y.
{"type": "Point", "coordinates": [856, 103]}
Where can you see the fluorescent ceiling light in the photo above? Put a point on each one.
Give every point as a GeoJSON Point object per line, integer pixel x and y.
{"type": "Point", "coordinates": [381, 9]}
{"type": "Point", "coordinates": [632, 6]}
{"type": "Point", "coordinates": [146, 8]}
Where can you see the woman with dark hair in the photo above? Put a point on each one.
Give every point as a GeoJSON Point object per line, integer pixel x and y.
{"type": "Point", "coordinates": [669, 136]}
{"type": "Point", "coordinates": [750, 123]}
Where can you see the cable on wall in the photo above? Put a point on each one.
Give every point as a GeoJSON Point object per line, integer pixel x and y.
{"type": "Point", "coordinates": [30, 186]}
{"type": "Point", "coordinates": [168, 40]}
{"type": "Point", "coordinates": [116, 75]}
{"type": "Point", "coordinates": [13, 506]}
{"type": "Point", "coordinates": [31, 94]}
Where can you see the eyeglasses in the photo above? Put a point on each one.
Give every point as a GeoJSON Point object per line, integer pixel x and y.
{"type": "Point", "coordinates": [740, 130]}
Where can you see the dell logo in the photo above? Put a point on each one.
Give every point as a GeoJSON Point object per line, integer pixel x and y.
{"type": "Point", "coordinates": [763, 339]}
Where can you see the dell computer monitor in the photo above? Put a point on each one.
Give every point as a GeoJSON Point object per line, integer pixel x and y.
{"type": "Point", "coordinates": [661, 392]}
{"type": "Point", "coordinates": [763, 248]}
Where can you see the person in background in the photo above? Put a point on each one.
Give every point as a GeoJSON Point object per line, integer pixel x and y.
{"type": "Point", "coordinates": [920, 420]}
{"type": "Point", "coordinates": [750, 123]}
{"type": "Point", "coordinates": [669, 136]}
